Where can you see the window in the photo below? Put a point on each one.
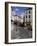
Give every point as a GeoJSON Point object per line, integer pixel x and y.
{"type": "Point", "coordinates": [29, 16]}
{"type": "Point", "coordinates": [29, 11]}
{"type": "Point", "coordinates": [26, 16]}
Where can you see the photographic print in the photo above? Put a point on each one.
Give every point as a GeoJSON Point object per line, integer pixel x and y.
{"type": "Point", "coordinates": [20, 20]}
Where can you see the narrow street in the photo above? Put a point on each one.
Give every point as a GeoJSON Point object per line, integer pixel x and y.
{"type": "Point", "coordinates": [20, 32]}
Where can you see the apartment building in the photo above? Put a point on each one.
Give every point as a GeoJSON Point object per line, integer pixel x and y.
{"type": "Point", "coordinates": [28, 16]}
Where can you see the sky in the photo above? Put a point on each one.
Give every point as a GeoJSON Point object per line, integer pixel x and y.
{"type": "Point", "coordinates": [19, 10]}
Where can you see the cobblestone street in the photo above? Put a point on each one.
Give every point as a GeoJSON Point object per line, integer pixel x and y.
{"type": "Point", "coordinates": [20, 32]}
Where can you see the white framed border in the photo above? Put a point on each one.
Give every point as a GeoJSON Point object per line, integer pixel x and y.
{"type": "Point", "coordinates": [9, 23]}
